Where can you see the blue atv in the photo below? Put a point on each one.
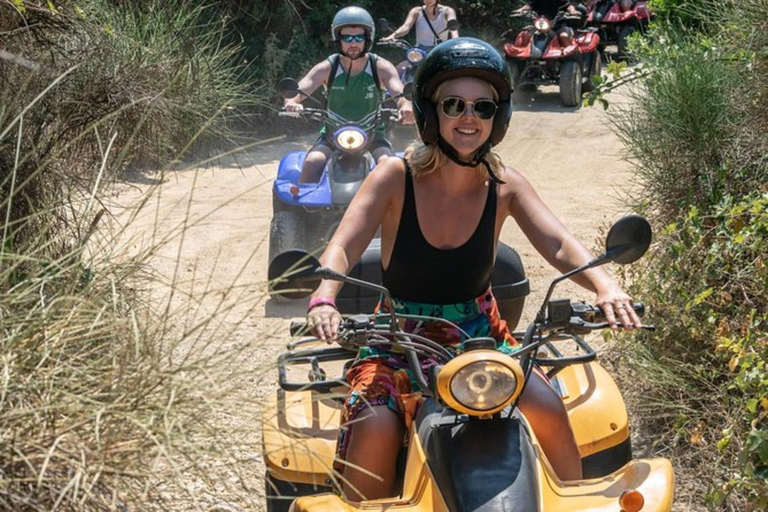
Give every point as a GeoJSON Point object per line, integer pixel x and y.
{"type": "Point", "coordinates": [305, 215]}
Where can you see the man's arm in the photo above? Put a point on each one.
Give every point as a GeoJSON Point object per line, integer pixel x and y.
{"type": "Point", "coordinates": [316, 77]}
{"type": "Point", "coordinates": [393, 84]}
{"type": "Point", "coordinates": [403, 29]}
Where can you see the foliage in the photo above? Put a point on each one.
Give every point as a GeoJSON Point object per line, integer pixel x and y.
{"type": "Point", "coordinates": [707, 281]}
{"type": "Point", "coordinates": [696, 130]}
{"type": "Point", "coordinates": [101, 393]}
{"type": "Point", "coordinates": [152, 78]}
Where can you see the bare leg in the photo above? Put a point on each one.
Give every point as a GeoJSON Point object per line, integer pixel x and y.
{"type": "Point", "coordinates": [546, 414]}
{"type": "Point", "coordinates": [374, 442]}
{"type": "Point", "coordinates": [313, 166]}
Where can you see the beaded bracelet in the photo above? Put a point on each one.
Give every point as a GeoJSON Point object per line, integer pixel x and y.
{"type": "Point", "coordinates": [321, 301]}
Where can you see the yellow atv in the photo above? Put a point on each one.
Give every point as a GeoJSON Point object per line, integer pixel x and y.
{"type": "Point", "coordinates": [470, 448]}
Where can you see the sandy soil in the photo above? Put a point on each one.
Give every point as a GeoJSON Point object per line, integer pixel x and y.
{"type": "Point", "coordinates": [223, 210]}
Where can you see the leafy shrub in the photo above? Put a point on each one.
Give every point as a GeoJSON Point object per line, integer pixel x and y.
{"type": "Point", "coordinates": [704, 370]}
{"type": "Point", "coordinates": [696, 129]}
{"type": "Point", "coordinates": [679, 127]}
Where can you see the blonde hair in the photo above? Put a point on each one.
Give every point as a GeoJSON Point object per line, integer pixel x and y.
{"type": "Point", "coordinates": [426, 158]}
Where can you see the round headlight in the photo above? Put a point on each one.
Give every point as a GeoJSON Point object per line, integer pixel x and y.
{"type": "Point", "coordinates": [483, 385]}
{"type": "Point", "coordinates": [542, 24]}
{"type": "Point", "coordinates": [350, 139]}
{"type": "Point", "coordinates": [415, 55]}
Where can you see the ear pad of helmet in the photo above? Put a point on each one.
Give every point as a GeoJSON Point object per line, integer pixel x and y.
{"type": "Point", "coordinates": [428, 123]}
{"type": "Point", "coordinates": [501, 121]}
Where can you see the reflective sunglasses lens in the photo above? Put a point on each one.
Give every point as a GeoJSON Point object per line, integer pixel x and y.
{"type": "Point", "coordinates": [485, 109]}
{"type": "Point", "coordinates": [453, 107]}
{"type": "Point", "coordinates": [358, 38]}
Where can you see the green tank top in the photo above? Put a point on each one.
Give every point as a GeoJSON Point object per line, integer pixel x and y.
{"type": "Point", "coordinates": [354, 97]}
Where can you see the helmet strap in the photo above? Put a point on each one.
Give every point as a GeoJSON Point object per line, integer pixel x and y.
{"type": "Point", "coordinates": [477, 159]}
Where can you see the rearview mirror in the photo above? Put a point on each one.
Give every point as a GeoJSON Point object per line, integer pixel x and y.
{"type": "Point", "coordinates": [293, 274]}
{"type": "Point", "coordinates": [628, 240]}
{"type": "Point", "coordinates": [384, 25]}
{"type": "Point", "coordinates": [288, 88]}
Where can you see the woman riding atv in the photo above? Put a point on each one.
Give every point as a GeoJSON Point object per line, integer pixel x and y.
{"type": "Point", "coordinates": [431, 20]}
{"type": "Point", "coordinates": [441, 210]}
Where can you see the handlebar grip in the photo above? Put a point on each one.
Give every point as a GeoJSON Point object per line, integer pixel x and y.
{"type": "Point", "coordinates": [299, 328]}
{"type": "Point", "coordinates": [639, 308]}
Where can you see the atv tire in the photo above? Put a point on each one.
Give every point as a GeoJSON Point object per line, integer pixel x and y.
{"type": "Point", "coordinates": [570, 83]}
{"type": "Point", "coordinates": [286, 231]}
{"type": "Point", "coordinates": [623, 41]}
{"type": "Point", "coordinates": [595, 69]}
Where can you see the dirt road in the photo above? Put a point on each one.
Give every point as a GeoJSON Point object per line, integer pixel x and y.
{"type": "Point", "coordinates": [570, 156]}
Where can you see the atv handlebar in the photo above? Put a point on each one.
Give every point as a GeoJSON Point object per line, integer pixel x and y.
{"type": "Point", "coordinates": [386, 115]}
{"type": "Point", "coordinates": [401, 44]}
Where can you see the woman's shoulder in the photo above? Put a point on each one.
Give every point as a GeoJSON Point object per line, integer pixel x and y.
{"type": "Point", "coordinates": [514, 182]}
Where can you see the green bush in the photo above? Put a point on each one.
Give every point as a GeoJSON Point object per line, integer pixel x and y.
{"type": "Point", "coordinates": [704, 370]}
{"type": "Point", "coordinates": [696, 130]}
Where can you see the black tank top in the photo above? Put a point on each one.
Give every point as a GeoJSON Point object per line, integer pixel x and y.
{"type": "Point", "coordinates": [420, 272]}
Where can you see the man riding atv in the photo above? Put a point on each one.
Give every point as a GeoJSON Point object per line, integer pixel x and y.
{"type": "Point", "coordinates": [550, 8]}
{"type": "Point", "coordinates": [353, 79]}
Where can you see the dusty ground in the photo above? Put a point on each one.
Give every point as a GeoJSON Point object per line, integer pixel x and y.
{"type": "Point", "coordinates": [570, 156]}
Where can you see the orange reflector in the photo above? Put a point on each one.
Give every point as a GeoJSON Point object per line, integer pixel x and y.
{"type": "Point", "coordinates": [631, 501]}
{"type": "Point", "coordinates": [295, 191]}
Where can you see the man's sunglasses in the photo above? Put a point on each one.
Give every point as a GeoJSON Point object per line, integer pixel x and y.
{"type": "Point", "coordinates": [358, 38]}
{"type": "Point", "coordinates": [455, 107]}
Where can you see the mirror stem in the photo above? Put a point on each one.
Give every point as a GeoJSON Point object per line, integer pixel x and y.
{"type": "Point", "coordinates": [600, 260]}
{"type": "Point", "coordinates": [327, 273]}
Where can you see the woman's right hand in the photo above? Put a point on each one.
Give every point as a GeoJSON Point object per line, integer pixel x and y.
{"type": "Point", "coordinates": [324, 322]}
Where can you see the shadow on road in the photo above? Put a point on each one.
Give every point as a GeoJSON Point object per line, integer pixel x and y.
{"type": "Point", "coordinates": [293, 309]}
{"type": "Point", "coordinates": [540, 99]}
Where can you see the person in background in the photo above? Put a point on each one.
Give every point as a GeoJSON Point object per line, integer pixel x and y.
{"type": "Point", "coordinates": [354, 78]}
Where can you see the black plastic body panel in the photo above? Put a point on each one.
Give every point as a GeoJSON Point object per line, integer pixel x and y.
{"type": "Point", "coordinates": [607, 461]}
{"type": "Point", "coordinates": [479, 465]}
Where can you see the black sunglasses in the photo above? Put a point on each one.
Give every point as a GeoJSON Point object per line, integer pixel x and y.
{"type": "Point", "coordinates": [455, 107]}
{"type": "Point", "coordinates": [358, 38]}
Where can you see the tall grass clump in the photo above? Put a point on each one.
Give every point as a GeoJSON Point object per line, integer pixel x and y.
{"type": "Point", "coordinates": [163, 72]}
{"type": "Point", "coordinates": [104, 394]}
{"type": "Point", "coordinates": [696, 131]}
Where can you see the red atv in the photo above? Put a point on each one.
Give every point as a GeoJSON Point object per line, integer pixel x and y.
{"type": "Point", "coordinates": [616, 20]}
{"type": "Point", "coordinates": [551, 52]}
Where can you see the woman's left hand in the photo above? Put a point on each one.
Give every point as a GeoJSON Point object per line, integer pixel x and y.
{"type": "Point", "coordinates": [617, 306]}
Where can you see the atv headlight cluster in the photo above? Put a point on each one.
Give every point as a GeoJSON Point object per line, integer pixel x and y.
{"type": "Point", "coordinates": [542, 24]}
{"type": "Point", "coordinates": [415, 55]}
{"type": "Point", "coordinates": [350, 138]}
{"type": "Point", "coordinates": [483, 386]}
{"type": "Point", "coordinates": [480, 382]}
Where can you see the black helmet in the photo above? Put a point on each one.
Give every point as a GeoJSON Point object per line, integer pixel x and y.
{"type": "Point", "coordinates": [457, 58]}
{"type": "Point", "coordinates": [354, 16]}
